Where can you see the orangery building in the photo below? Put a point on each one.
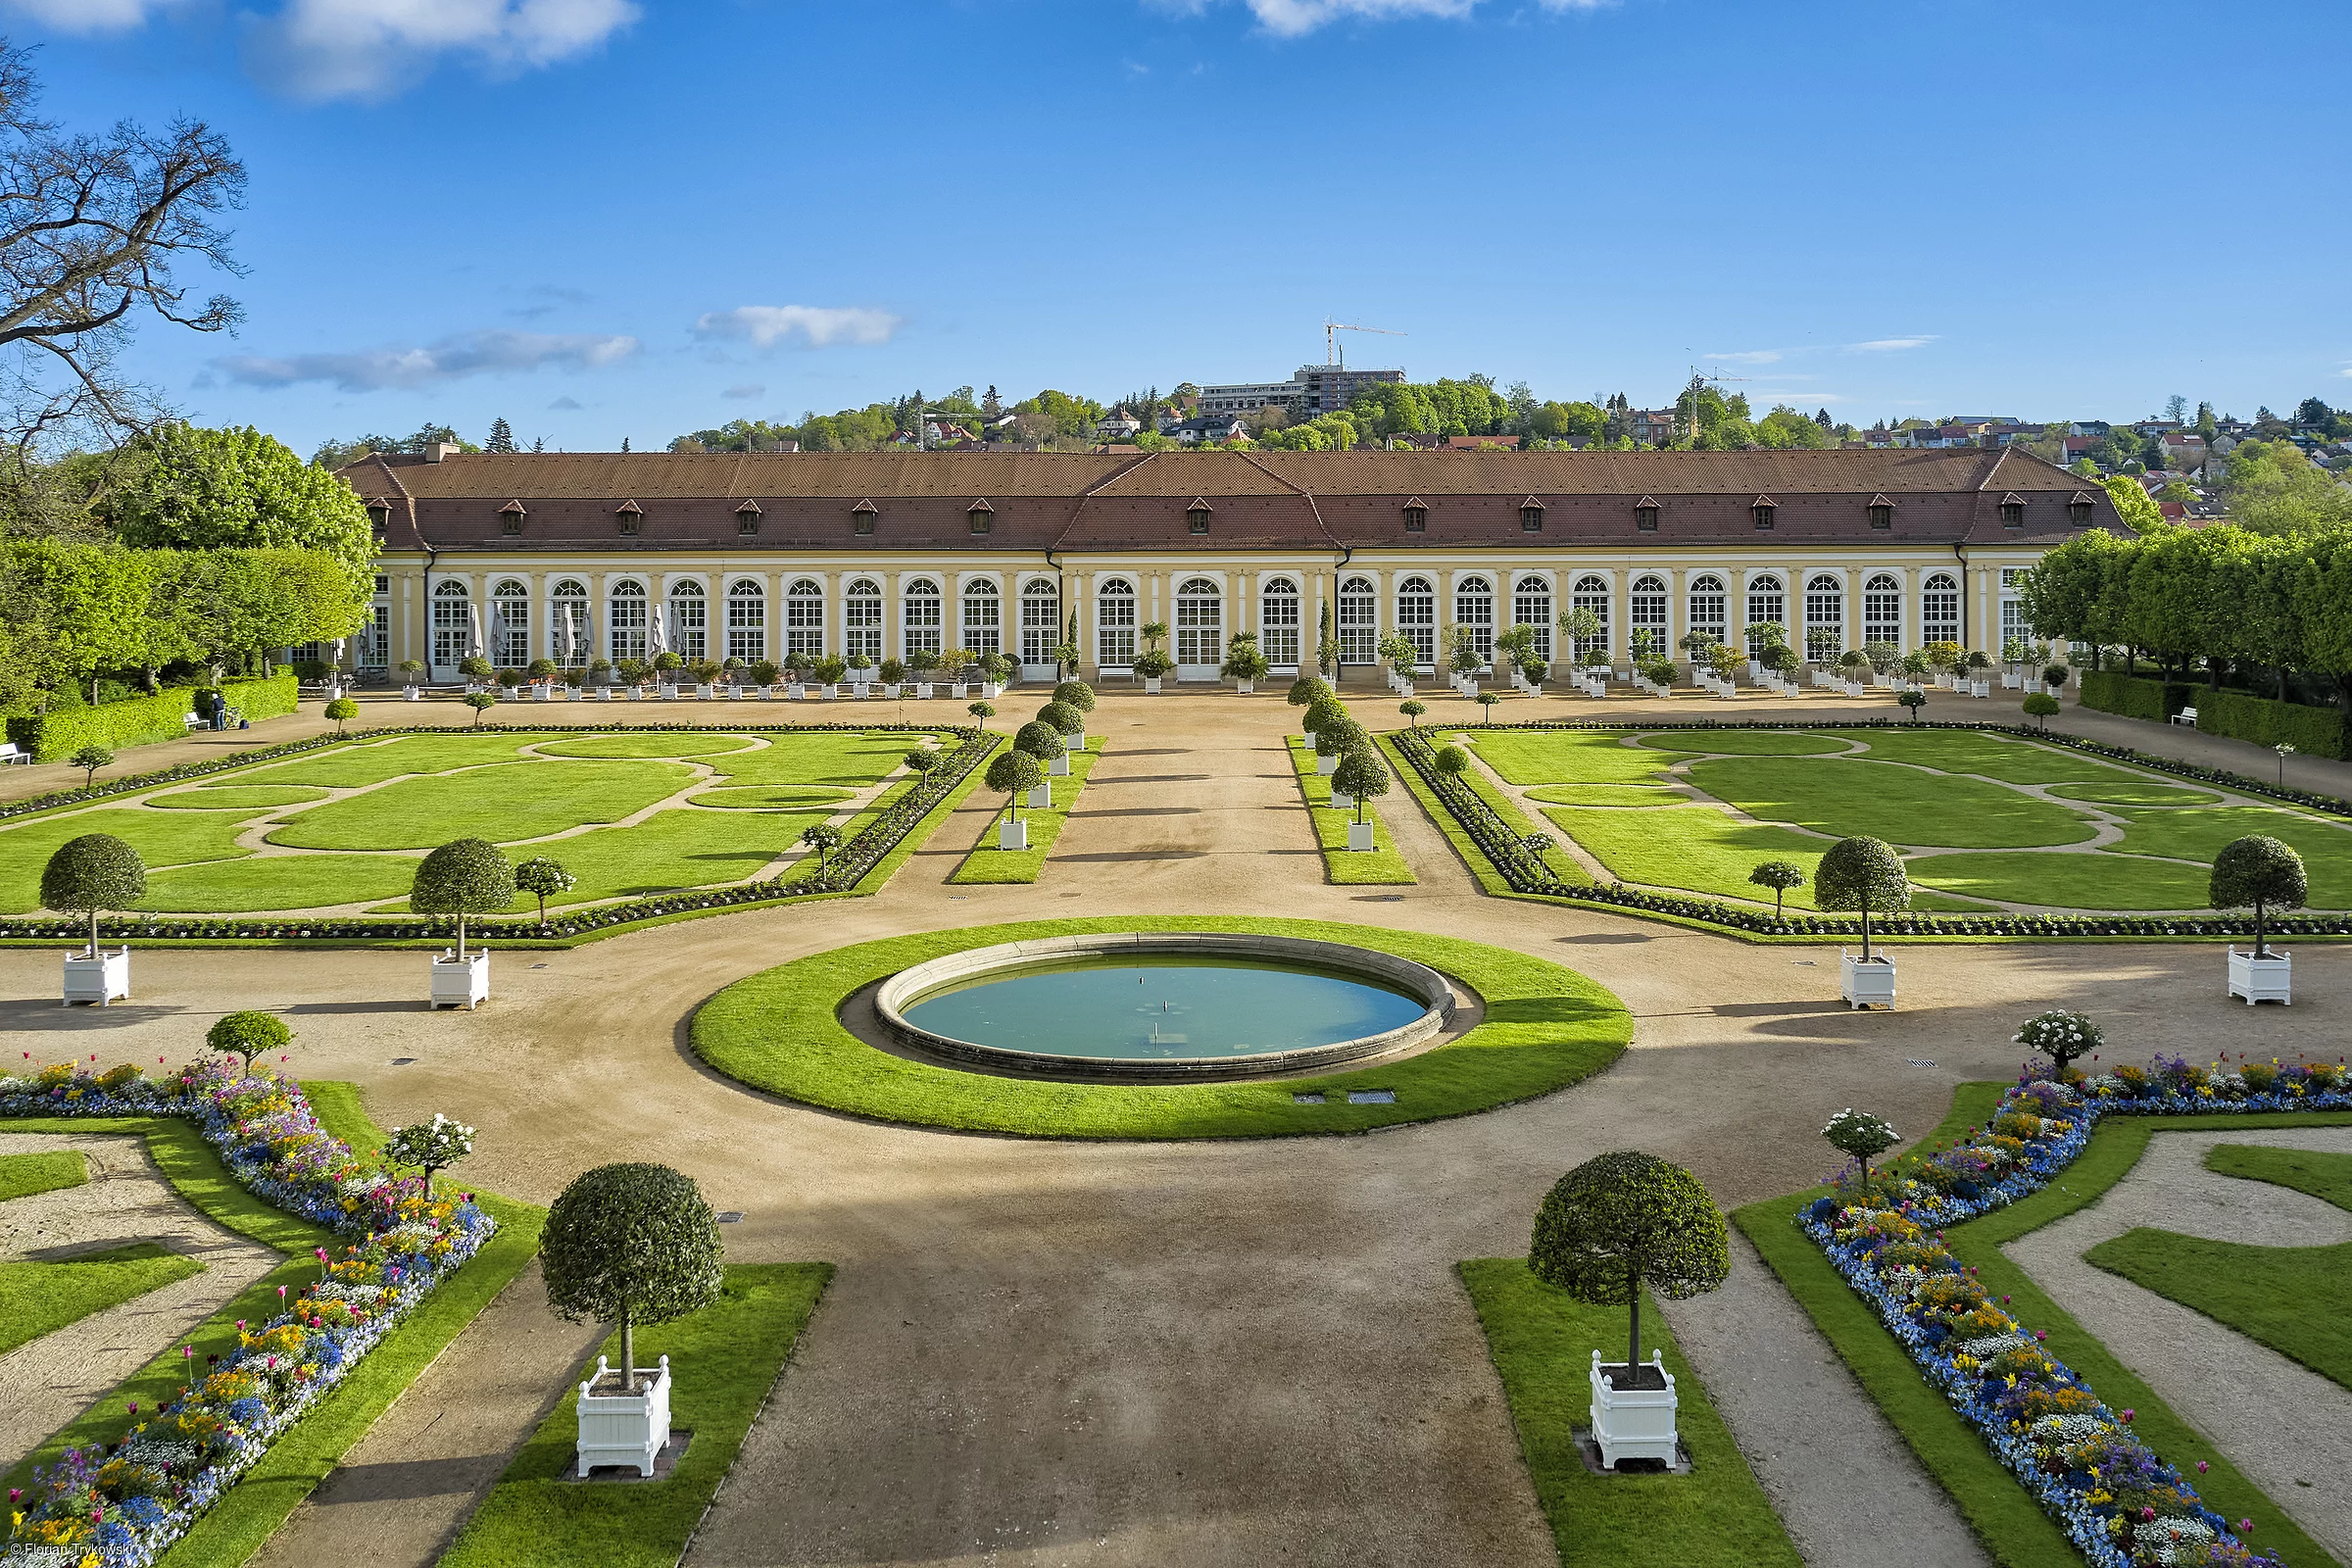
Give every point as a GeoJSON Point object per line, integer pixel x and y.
{"type": "Point", "coordinates": [759, 556]}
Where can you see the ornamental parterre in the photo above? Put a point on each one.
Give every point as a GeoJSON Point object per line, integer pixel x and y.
{"type": "Point", "coordinates": [2117, 1501]}
{"type": "Point", "coordinates": [120, 1502]}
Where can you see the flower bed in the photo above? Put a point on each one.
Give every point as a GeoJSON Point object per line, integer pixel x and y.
{"type": "Point", "coordinates": [2116, 1499]}
{"type": "Point", "coordinates": [121, 1503]}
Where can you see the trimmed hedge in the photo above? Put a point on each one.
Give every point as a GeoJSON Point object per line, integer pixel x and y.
{"type": "Point", "coordinates": [2266, 721]}
{"type": "Point", "coordinates": [273, 696]}
{"type": "Point", "coordinates": [2112, 691]}
{"type": "Point", "coordinates": [142, 721]}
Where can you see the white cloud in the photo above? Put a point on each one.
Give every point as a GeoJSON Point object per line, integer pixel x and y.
{"type": "Point", "coordinates": [1749, 357]}
{"type": "Point", "coordinates": [1890, 345]}
{"type": "Point", "coordinates": [748, 389]}
{"type": "Point", "coordinates": [373, 48]}
{"type": "Point", "coordinates": [567, 405]}
{"type": "Point", "coordinates": [1292, 18]}
{"type": "Point", "coordinates": [814, 326]}
{"type": "Point", "coordinates": [88, 16]}
{"type": "Point", "coordinates": [492, 352]}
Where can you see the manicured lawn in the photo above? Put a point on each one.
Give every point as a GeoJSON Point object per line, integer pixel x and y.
{"type": "Point", "coordinates": [1900, 804]}
{"type": "Point", "coordinates": [1541, 1340]}
{"type": "Point", "coordinates": [37, 1298]}
{"type": "Point", "coordinates": [849, 758]}
{"type": "Point", "coordinates": [1545, 1027]}
{"type": "Point", "coordinates": [1743, 743]}
{"type": "Point", "coordinates": [48, 1171]}
{"type": "Point", "coordinates": [2099, 880]}
{"type": "Point", "coordinates": [724, 1360]}
{"type": "Point", "coordinates": [1995, 756]}
{"type": "Point", "coordinates": [161, 838]}
{"type": "Point", "coordinates": [279, 882]}
{"type": "Point", "coordinates": [770, 796]}
{"type": "Point", "coordinates": [236, 796]}
{"type": "Point", "coordinates": [373, 762]}
{"type": "Point", "coordinates": [1619, 795]}
{"type": "Point", "coordinates": [2199, 834]}
{"type": "Point", "coordinates": [653, 744]}
{"type": "Point", "coordinates": [2129, 792]}
{"type": "Point", "coordinates": [1538, 757]}
{"type": "Point", "coordinates": [1342, 866]}
{"type": "Point", "coordinates": [503, 804]}
{"type": "Point", "coordinates": [2324, 1176]}
{"type": "Point", "coordinates": [1693, 846]}
{"type": "Point", "coordinates": [679, 848]}
{"type": "Point", "coordinates": [989, 864]}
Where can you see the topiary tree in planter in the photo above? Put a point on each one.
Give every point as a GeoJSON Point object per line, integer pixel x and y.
{"type": "Point", "coordinates": [1307, 690]}
{"type": "Point", "coordinates": [1038, 739]}
{"type": "Point", "coordinates": [543, 879]}
{"type": "Point", "coordinates": [1339, 736]}
{"type": "Point", "coordinates": [1012, 773]}
{"type": "Point", "coordinates": [1865, 874]}
{"type": "Point", "coordinates": [91, 874]}
{"type": "Point", "coordinates": [1075, 694]}
{"type": "Point", "coordinates": [411, 671]}
{"type": "Point", "coordinates": [2063, 1037]}
{"type": "Point", "coordinates": [831, 671]}
{"type": "Point", "coordinates": [1623, 1220]}
{"type": "Point", "coordinates": [631, 1245]}
{"type": "Point", "coordinates": [342, 711]}
{"type": "Point", "coordinates": [1780, 876]}
{"type": "Point", "coordinates": [1412, 712]}
{"type": "Point", "coordinates": [474, 666]}
{"type": "Point", "coordinates": [822, 837]}
{"type": "Point", "coordinates": [1065, 719]}
{"type": "Point", "coordinates": [1360, 775]}
{"type": "Point", "coordinates": [481, 703]}
{"type": "Point", "coordinates": [2257, 870]}
{"type": "Point", "coordinates": [1243, 661]}
{"type": "Point", "coordinates": [543, 670]}
{"type": "Point", "coordinates": [247, 1034]}
{"type": "Point", "coordinates": [2041, 707]}
{"type": "Point", "coordinates": [1913, 700]}
{"type": "Point", "coordinates": [1321, 712]}
{"type": "Point", "coordinates": [466, 876]}
{"type": "Point", "coordinates": [1862, 1134]}
{"type": "Point", "coordinates": [2053, 677]}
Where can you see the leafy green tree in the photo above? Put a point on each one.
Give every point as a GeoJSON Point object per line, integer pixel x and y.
{"type": "Point", "coordinates": [631, 1243]}
{"type": "Point", "coordinates": [247, 1034]}
{"type": "Point", "coordinates": [1780, 876]}
{"type": "Point", "coordinates": [2273, 488]}
{"type": "Point", "coordinates": [2256, 871]}
{"type": "Point", "coordinates": [1865, 874]}
{"type": "Point", "coordinates": [2133, 503]}
{"type": "Point", "coordinates": [1862, 1134]}
{"type": "Point", "coordinates": [191, 488]}
{"type": "Point", "coordinates": [464, 877]}
{"type": "Point", "coordinates": [1452, 761]}
{"type": "Point", "coordinates": [981, 712]}
{"type": "Point", "coordinates": [92, 873]}
{"type": "Point", "coordinates": [2041, 707]}
{"type": "Point", "coordinates": [1014, 772]}
{"type": "Point", "coordinates": [1040, 739]}
{"type": "Point", "coordinates": [1624, 1220]}
{"type": "Point", "coordinates": [1065, 719]}
{"type": "Point", "coordinates": [342, 711]}
{"type": "Point", "coordinates": [502, 437]}
{"type": "Point", "coordinates": [1913, 700]}
{"type": "Point", "coordinates": [822, 837]}
{"type": "Point", "coordinates": [1243, 661]}
{"type": "Point", "coordinates": [481, 703]}
{"type": "Point", "coordinates": [1308, 689]}
{"type": "Point", "coordinates": [1362, 775]}
{"type": "Point", "coordinates": [430, 1145]}
{"type": "Point", "coordinates": [543, 879]}
{"type": "Point", "coordinates": [90, 759]}
{"type": "Point", "coordinates": [1339, 735]}
{"type": "Point", "coordinates": [1075, 694]}
{"type": "Point", "coordinates": [1412, 710]}
{"type": "Point", "coordinates": [1486, 701]}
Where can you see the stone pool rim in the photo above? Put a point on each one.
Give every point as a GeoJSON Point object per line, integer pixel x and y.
{"type": "Point", "coordinates": [1416, 981]}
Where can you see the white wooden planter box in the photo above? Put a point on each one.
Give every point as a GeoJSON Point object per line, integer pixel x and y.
{"type": "Point", "coordinates": [541, 694]}
{"type": "Point", "coordinates": [1058, 767]}
{"type": "Point", "coordinates": [101, 978]}
{"type": "Point", "coordinates": [1074, 743]}
{"type": "Point", "coordinates": [2270, 978]}
{"type": "Point", "coordinates": [1041, 798]}
{"type": "Point", "coordinates": [2013, 682]}
{"type": "Point", "coordinates": [617, 1428]}
{"type": "Point", "coordinates": [794, 691]}
{"type": "Point", "coordinates": [1014, 835]}
{"type": "Point", "coordinates": [957, 690]}
{"type": "Point", "coordinates": [1980, 688]}
{"type": "Point", "coordinates": [461, 982]}
{"type": "Point", "coordinates": [828, 693]}
{"type": "Point", "coordinates": [991, 690]}
{"type": "Point", "coordinates": [1359, 836]}
{"type": "Point", "coordinates": [1866, 985]}
{"type": "Point", "coordinates": [409, 694]}
{"type": "Point", "coordinates": [1245, 687]}
{"type": "Point", "coordinates": [890, 690]}
{"type": "Point", "coordinates": [1632, 1423]}
{"type": "Point", "coordinates": [1327, 763]}
{"type": "Point", "coordinates": [1341, 802]}
{"type": "Point", "coordinates": [922, 690]}
{"type": "Point", "coordinates": [1151, 685]}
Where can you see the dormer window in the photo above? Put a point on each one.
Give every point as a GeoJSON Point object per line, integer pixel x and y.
{"type": "Point", "coordinates": [1765, 511]}
{"type": "Point", "coordinates": [1416, 515]}
{"type": "Point", "coordinates": [628, 515]}
{"type": "Point", "coordinates": [1882, 513]}
{"type": "Point", "coordinates": [980, 515]}
{"type": "Point", "coordinates": [1646, 515]}
{"type": "Point", "coordinates": [2079, 510]}
{"type": "Point", "coordinates": [1531, 516]}
{"type": "Point", "coordinates": [510, 519]}
{"type": "Point", "coordinates": [747, 516]}
{"type": "Point", "coordinates": [1196, 516]}
{"type": "Point", "coordinates": [2012, 511]}
{"type": "Point", "coordinates": [379, 515]}
{"type": "Point", "coordinates": [862, 517]}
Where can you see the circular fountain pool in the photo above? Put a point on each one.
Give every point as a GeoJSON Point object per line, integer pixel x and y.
{"type": "Point", "coordinates": [1164, 1005]}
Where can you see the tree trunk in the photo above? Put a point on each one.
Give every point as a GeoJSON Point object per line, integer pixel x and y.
{"type": "Point", "coordinates": [2262, 949]}
{"type": "Point", "coordinates": [93, 933]}
{"type": "Point", "coordinates": [461, 936]}
{"type": "Point", "coordinates": [628, 1353]}
{"type": "Point", "coordinates": [1633, 1353]}
{"type": "Point", "coordinates": [1865, 930]}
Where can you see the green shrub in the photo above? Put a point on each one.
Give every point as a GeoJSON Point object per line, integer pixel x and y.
{"type": "Point", "coordinates": [631, 1245]}
{"type": "Point", "coordinates": [247, 1034]}
{"type": "Point", "coordinates": [2266, 721]}
{"type": "Point", "coordinates": [94, 872]}
{"type": "Point", "coordinates": [2111, 690]}
{"type": "Point", "coordinates": [141, 721]}
{"type": "Point", "coordinates": [1623, 1220]}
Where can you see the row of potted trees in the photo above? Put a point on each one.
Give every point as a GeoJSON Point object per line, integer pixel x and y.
{"type": "Point", "coordinates": [668, 675]}
{"type": "Point", "coordinates": [1345, 754]}
{"type": "Point", "coordinates": [1040, 753]}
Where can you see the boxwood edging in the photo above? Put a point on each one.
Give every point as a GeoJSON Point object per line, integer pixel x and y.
{"type": "Point", "coordinates": [1524, 869]}
{"type": "Point", "coordinates": [845, 868]}
{"type": "Point", "coordinates": [284, 1156]}
{"type": "Point", "coordinates": [2066, 1496]}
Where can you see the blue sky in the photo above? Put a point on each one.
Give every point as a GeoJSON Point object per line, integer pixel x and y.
{"type": "Point", "coordinates": [625, 217]}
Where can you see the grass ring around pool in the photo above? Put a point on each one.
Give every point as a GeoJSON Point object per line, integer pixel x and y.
{"type": "Point", "coordinates": [779, 1030]}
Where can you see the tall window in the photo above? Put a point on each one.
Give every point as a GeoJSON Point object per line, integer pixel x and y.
{"type": "Point", "coordinates": [1883, 609]}
{"type": "Point", "coordinates": [1278, 623]}
{"type": "Point", "coordinates": [1710, 606]}
{"type": "Point", "coordinates": [1767, 601]}
{"type": "Point", "coordinates": [453, 623]}
{"type": "Point", "coordinates": [624, 620]}
{"type": "Point", "coordinates": [861, 619]}
{"type": "Point", "coordinates": [1593, 593]}
{"type": "Point", "coordinates": [746, 622]}
{"type": "Point", "coordinates": [1041, 621]}
{"type": "Point", "coordinates": [1939, 609]}
{"type": "Point", "coordinates": [571, 634]}
{"type": "Point", "coordinates": [509, 630]}
{"type": "Point", "coordinates": [1531, 607]}
{"type": "Point", "coordinates": [375, 637]}
{"type": "Point", "coordinates": [689, 625]}
{"type": "Point", "coordinates": [983, 618]}
{"type": "Point", "coordinates": [922, 619]}
{"type": "Point", "coordinates": [1474, 613]}
{"type": "Point", "coordinates": [1825, 617]}
{"type": "Point", "coordinates": [1417, 619]}
{"type": "Point", "coordinates": [1199, 627]}
{"type": "Point", "coordinates": [804, 622]}
{"type": "Point", "coordinates": [1645, 615]}
{"type": "Point", "coordinates": [1114, 624]}
{"type": "Point", "coordinates": [1359, 622]}
{"type": "Point", "coordinates": [2014, 625]}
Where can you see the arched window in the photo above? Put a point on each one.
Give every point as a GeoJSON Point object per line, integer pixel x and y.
{"type": "Point", "coordinates": [747, 622]}
{"type": "Point", "coordinates": [1040, 621]}
{"type": "Point", "coordinates": [861, 619]}
{"type": "Point", "coordinates": [920, 623]}
{"type": "Point", "coordinates": [1710, 610]}
{"type": "Point", "coordinates": [983, 618]}
{"type": "Point", "coordinates": [1278, 623]}
{"type": "Point", "coordinates": [1474, 614]}
{"type": "Point", "coordinates": [571, 634]}
{"type": "Point", "coordinates": [1825, 617]}
{"type": "Point", "coordinates": [1939, 609]}
{"type": "Point", "coordinates": [1199, 629]}
{"type": "Point", "coordinates": [1767, 601]}
{"type": "Point", "coordinates": [1646, 618]}
{"type": "Point", "coordinates": [804, 622]}
{"type": "Point", "coordinates": [624, 620]}
{"type": "Point", "coordinates": [1359, 622]}
{"type": "Point", "coordinates": [1114, 624]}
{"type": "Point", "coordinates": [1591, 592]}
{"type": "Point", "coordinates": [453, 623]}
{"type": "Point", "coordinates": [1883, 610]}
{"type": "Point", "coordinates": [1417, 619]}
{"type": "Point", "coordinates": [689, 625]}
{"type": "Point", "coordinates": [1531, 607]}
{"type": "Point", "coordinates": [510, 629]}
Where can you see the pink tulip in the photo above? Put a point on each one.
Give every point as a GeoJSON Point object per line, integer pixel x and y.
{"type": "Point", "coordinates": [134, 1407]}
{"type": "Point", "coordinates": [2202, 1467]}
{"type": "Point", "coordinates": [2246, 1527]}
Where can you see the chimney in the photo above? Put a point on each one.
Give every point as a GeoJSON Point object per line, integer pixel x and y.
{"type": "Point", "coordinates": [435, 451]}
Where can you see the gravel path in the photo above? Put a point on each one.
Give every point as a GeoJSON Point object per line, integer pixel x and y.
{"type": "Point", "coordinates": [2286, 1427]}
{"type": "Point", "coordinates": [49, 1382]}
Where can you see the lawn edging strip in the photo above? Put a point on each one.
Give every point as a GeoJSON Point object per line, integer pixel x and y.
{"type": "Point", "coordinates": [986, 864]}
{"type": "Point", "coordinates": [1342, 866]}
{"type": "Point", "coordinates": [779, 1032]}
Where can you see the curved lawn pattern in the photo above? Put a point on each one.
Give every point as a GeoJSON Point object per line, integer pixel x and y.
{"type": "Point", "coordinates": [2127, 792]}
{"type": "Point", "coordinates": [173, 838]}
{"type": "Point", "coordinates": [1693, 846]}
{"type": "Point", "coordinates": [502, 804]}
{"type": "Point", "coordinates": [636, 747]}
{"type": "Point", "coordinates": [778, 1031]}
{"type": "Point", "coordinates": [237, 797]}
{"type": "Point", "coordinates": [2100, 881]}
{"type": "Point", "coordinates": [1551, 756]}
{"type": "Point", "coordinates": [1620, 795]}
{"type": "Point", "coordinates": [2198, 834]}
{"type": "Point", "coordinates": [374, 761]}
{"type": "Point", "coordinates": [679, 848]}
{"type": "Point", "coordinates": [1745, 743]}
{"type": "Point", "coordinates": [770, 796]}
{"type": "Point", "coordinates": [847, 758]}
{"type": "Point", "coordinates": [1996, 757]}
{"type": "Point", "coordinates": [1900, 804]}
{"type": "Point", "coordinates": [279, 882]}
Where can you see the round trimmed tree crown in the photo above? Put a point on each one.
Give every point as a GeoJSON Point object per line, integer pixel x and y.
{"type": "Point", "coordinates": [1862, 873]}
{"type": "Point", "coordinates": [93, 873]}
{"type": "Point", "coordinates": [247, 1034]}
{"type": "Point", "coordinates": [1065, 719]}
{"type": "Point", "coordinates": [1361, 773]}
{"type": "Point", "coordinates": [1307, 689]}
{"type": "Point", "coordinates": [2257, 870]}
{"type": "Point", "coordinates": [1452, 761]}
{"type": "Point", "coordinates": [1321, 712]}
{"type": "Point", "coordinates": [634, 1240]}
{"type": "Point", "coordinates": [466, 876]}
{"type": "Point", "coordinates": [1075, 694]}
{"type": "Point", "coordinates": [1624, 1219]}
{"type": "Point", "coordinates": [1339, 736]}
{"type": "Point", "coordinates": [1011, 772]}
{"type": "Point", "coordinates": [1038, 739]}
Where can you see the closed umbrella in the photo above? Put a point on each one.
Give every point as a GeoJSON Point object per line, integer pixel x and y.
{"type": "Point", "coordinates": [657, 640]}
{"type": "Point", "coordinates": [571, 647]}
{"type": "Point", "coordinates": [475, 613]}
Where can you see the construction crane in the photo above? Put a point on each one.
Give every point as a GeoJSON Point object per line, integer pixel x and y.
{"type": "Point", "coordinates": [1333, 354]}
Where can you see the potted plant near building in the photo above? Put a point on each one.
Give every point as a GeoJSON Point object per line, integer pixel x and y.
{"type": "Point", "coordinates": [829, 672]}
{"type": "Point", "coordinates": [1865, 874]}
{"type": "Point", "coordinates": [1244, 665]}
{"type": "Point", "coordinates": [2263, 874]}
{"type": "Point", "coordinates": [1153, 663]}
{"type": "Point", "coordinates": [1360, 776]}
{"type": "Point", "coordinates": [630, 1245]}
{"type": "Point", "coordinates": [1010, 772]}
{"type": "Point", "coordinates": [1042, 740]}
{"type": "Point", "coordinates": [466, 877]}
{"type": "Point", "coordinates": [1067, 719]}
{"type": "Point", "coordinates": [894, 675]}
{"type": "Point", "coordinates": [860, 672]}
{"type": "Point", "coordinates": [920, 663]}
{"type": "Point", "coordinates": [89, 876]}
{"type": "Point", "coordinates": [411, 675]}
{"type": "Point", "coordinates": [1615, 1225]}
{"type": "Point", "coordinates": [1333, 738]}
{"type": "Point", "coordinates": [1980, 674]}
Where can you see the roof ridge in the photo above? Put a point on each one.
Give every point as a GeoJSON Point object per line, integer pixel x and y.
{"type": "Point", "coordinates": [1090, 492]}
{"type": "Point", "coordinates": [1302, 491]}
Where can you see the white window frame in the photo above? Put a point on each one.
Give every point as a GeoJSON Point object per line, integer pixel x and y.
{"type": "Point", "coordinates": [1590, 591]}
{"type": "Point", "coordinates": [1825, 617]}
{"type": "Point", "coordinates": [1933, 627]}
{"type": "Point", "coordinates": [980, 623]}
{"type": "Point", "coordinates": [1474, 611]}
{"type": "Point", "coordinates": [571, 594]}
{"type": "Point", "coordinates": [1118, 614]}
{"type": "Point", "coordinates": [1281, 621]}
{"type": "Point", "coordinates": [922, 617]}
{"type": "Point", "coordinates": [1650, 608]}
{"type": "Point", "coordinates": [1531, 607]}
{"type": "Point", "coordinates": [1883, 609]}
{"type": "Point", "coordinates": [628, 610]}
{"type": "Point", "coordinates": [1417, 617]}
{"type": "Point", "coordinates": [746, 620]}
{"type": "Point", "coordinates": [861, 618]}
{"type": "Point", "coordinates": [1716, 620]}
{"type": "Point", "coordinates": [804, 622]}
{"type": "Point", "coordinates": [1040, 621]}
{"type": "Point", "coordinates": [1356, 619]}
{"type": "Point", "coordinates": [689, 627]}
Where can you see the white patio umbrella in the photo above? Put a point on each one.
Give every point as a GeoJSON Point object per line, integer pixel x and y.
{"type": "Point", "coordinates": [657, 638]}
{"type": "Point", "coordinates": [571, 647]}
{"type": "Point", "coordinates": [475, 651]}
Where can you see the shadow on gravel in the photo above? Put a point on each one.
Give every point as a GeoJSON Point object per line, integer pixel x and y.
{"type": "Point", "coordinates": [1140, 855]}
{"type": "Point", "coordinates": [401, 1005]}
{"type": "Point", "coordinates": [1606, 938]}
{"type": "Point", "coordinates": [53, 1015]}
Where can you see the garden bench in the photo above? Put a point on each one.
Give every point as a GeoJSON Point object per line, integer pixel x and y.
{"type": "Point", "coordinates": [2186, 715]}
{"type": "Point", "coordinates": [191, 722]}
{"type": "Point", "coordinates": [9, 752]}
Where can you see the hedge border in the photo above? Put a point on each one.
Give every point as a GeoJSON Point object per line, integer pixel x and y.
{"type": "Point", "coordinates": [144, 720]}
{"type": "Point", "coordinates": [1524, 871]}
